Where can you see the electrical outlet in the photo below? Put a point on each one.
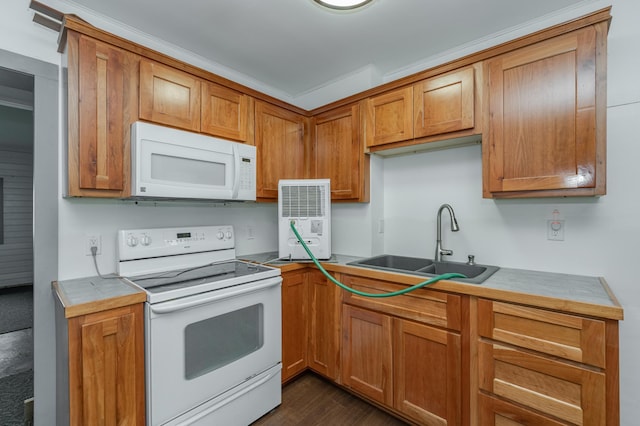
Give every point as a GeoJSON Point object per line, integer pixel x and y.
{"type": "Point", "coordinates": [94, 240]}
{"type": "Point", "coordinates": [250, 233]}
{"type": "Point", "coordinates": [555, 230]}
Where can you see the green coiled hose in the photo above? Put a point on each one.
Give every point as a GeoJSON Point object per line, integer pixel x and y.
{"type": "Point", "coordinates": [362, 293]}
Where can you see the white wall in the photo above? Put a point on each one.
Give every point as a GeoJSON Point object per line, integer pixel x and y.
{"type": "Point", "coordinates": [82, 217]}
{"type": "Point", "coordinates": [601, 235]}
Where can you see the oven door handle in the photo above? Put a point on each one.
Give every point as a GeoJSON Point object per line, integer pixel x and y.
{"type": "Point", "coordinates": [229, 399]}
{"type": "Point", "coordinates": [177, 305]}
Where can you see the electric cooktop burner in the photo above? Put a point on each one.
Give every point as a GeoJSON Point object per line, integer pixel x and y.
{"type": "Point", "coordinates": [210, 273]}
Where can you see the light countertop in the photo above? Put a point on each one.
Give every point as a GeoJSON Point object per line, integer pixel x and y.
{"type": "Point", "coordinates": [574, 293]}
{"type": "Point", "coordinates": [93, 294]}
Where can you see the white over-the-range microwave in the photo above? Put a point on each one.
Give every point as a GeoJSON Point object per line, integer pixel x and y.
{"type": "Point", "coordinates": [176, 164]}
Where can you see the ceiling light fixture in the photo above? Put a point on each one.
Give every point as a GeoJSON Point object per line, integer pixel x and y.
{"type": "Point", "coordinates": [342, 4]}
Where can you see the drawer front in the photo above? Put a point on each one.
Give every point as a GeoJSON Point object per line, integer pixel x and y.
{"type": "Point", "coordinates": [426, 306]}
{"type": "Point", "coordinates": [567, 336]}
{"type": "Point", "coordinates": [568, 392]}
{"type": "Point", "coordinates": [497, 412]}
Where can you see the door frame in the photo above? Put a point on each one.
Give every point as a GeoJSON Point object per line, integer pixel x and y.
{"type": "Point", "coordinates": [46, 163]}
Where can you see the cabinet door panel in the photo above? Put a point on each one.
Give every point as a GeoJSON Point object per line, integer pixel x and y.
{"type": "Point", "coordinates": [169, 96]}
{"type": "Point", "coordinates": [571, 393]}
{"type": "Point", "coordinates": [444, 104]}
{"type": "Point", "coordinates": [427, 373]}
{"type": "Point", "coordinates": [281, 150]}
{"type": "Point", "coordinates": [542, 102]}
{"type": "Point", "coordinates": [324, 344]}
{"type": "Point", "coordinates": [340, 154]}
{"type": "Point", "coordinates": [225, 112]}
{"type": "Point", "coordinates": [106, 367]}
{"type": "Point", "coordinates": [102, 96]}
{"type": "Point", "coordinates": [294, 325]}
{"type": "Point", "coordinates": [367, 353]}
{"type": "Point", "coordinates": [389, 117]}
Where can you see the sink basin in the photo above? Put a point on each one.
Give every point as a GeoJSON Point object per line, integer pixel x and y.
{"type": "Point", "coordinates": [476, 274]}
{"type": "Point", "coordinates": [399, 263]}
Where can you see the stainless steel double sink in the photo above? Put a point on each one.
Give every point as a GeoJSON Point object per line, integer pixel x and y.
{"type": "Point", "coordinates": [475, 274]}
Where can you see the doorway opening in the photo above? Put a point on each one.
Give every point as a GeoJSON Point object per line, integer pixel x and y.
{"type": "Point", "coordinates": [16, 245]}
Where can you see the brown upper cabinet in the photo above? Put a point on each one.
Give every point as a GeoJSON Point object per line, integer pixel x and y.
{"type": "Point", "coordinates": [178, 99]}
{"type": "Point", "coordinates": [389, 117]}
{"type": "Point", "coordinates": [169, 96]}
{"type": "Point", "coordinates": [444, 103]}
{"type": "Point", "coordinates": [226, 113]}
{"type": "Point", "coordinates": [538, 102]}
{"type": "Point", "coordinates": [546, 120]}
{"type": "Point", "coordinates": [282, 148]}
{"type": "Point", "coordinates": [425, 111]}
{"type": "Point", "coordinates": [339, 153]}
{"type": "Point", "coordinates": [102, 103]}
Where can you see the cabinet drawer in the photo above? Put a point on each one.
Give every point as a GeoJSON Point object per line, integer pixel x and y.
{"type": "Point", "coordinates": [496, 412]}
{"type": "Point", "coordinates": [567, 336]}
{"type": "Point", "coordinates": [568, 392]}
{"type": "Point", "coordinates": [426, 306]}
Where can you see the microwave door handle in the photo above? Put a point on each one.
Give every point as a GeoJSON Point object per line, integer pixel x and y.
{"type": "Point", "coordinates": [173, 306]}
{"type": "Point", "coordinates": [236, 172]}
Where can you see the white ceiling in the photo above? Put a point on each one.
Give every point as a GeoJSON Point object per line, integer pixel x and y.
{"type": "Point", "coordinates": [296, 46]}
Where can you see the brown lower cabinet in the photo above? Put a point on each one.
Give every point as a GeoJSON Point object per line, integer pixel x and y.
{"type": "Point", "coordinates": [397, 352]}
{"type": "Point", "coordinates": [554, 367]}
{"type": "Point", "coordinates": [106, 367]}
{"type": "Point", "coordinates": [310, 326]}
{"type": "Point", "coordinates": [441, 358]}
{"type": "Point", "coordinates": [495, 411]}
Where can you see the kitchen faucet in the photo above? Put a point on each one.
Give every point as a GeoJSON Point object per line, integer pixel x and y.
{"type": "Point", "coordinates": [454, 228]}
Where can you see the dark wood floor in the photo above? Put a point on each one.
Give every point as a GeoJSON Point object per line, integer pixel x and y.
{"type": "Point", "coordinates": [310, 400]}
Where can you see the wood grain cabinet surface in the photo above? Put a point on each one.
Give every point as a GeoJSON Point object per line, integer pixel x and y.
{"type": "Point", "coordinates": [398, 352]}
{"type": "Point", "coordinates": [282, 148]}
{"type": "Point", "coordinates": [226, 113]}
{"type": "Point", "coordinates": [555, 366]}
{"type": "Point", "coordinates": [546, 119]}
{"type": "Point", "coordinates": [323, 350]}
{"type": "Point", "coordinates": [310, 324]}
{"type": "Point", "coordinates": [389, 117]}
{"type": "Point", "coordinates": [102, 92]}
{"type": "Point", "coordinates": [295, 308]}
{"type": "Point", "coordinates": [106, 367]}
{"type": "Point", "coordinates": [445, 103]}
{"type": "Point", "coordinates": [434, 109]}
{"type": "Point", "coordinates": [339, 153]}
{"type": "Point", "coordinates": [169, 96]}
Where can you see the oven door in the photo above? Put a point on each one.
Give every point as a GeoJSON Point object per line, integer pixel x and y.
{"type": "Point", "coordinates": [200, 346]}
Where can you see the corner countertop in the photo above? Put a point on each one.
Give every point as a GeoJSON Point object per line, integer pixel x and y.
{"type": "Point", "coordinates": [83, 296]}
{"type": "Point", "coordinates": [579, 294]}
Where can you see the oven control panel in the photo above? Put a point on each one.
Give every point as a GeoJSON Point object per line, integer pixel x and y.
{"type": "Point", "coordinates": [156, 242]}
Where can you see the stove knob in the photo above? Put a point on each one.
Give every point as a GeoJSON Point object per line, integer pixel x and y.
{"type": "Point", "coordinates": [132, 241]}
{"type": "Point", "coordinates": [146, 240]}
{"type": "Point", "coordinates": [220, 235]}
{"type": "Point", "coordinates": [229, 235]}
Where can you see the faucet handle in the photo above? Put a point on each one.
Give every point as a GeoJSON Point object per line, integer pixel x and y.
{"type": "Point", "coordinates": [471, 260]}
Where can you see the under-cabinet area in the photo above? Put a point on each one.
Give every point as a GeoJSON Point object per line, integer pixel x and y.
{"type": "Point", "coordinates": [457, 354]}
{"type": "Point", "coordinates": [537, 105]}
